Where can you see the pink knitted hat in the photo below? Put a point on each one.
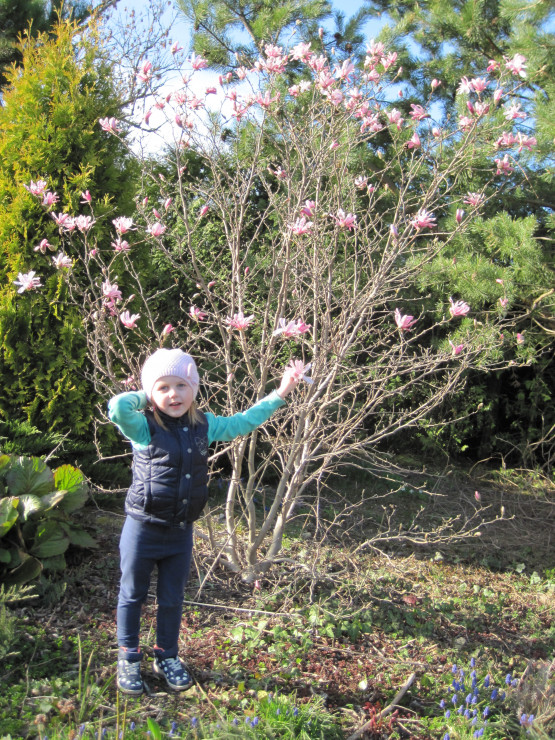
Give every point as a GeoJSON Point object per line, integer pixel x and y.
{"type": "Point", "coordinates": [169, 362]}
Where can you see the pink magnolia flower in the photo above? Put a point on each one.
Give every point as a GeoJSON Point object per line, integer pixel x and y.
{"type": "Point", "coordinates": [525, 142]}
{"type": "Point", "coordinates": [345, 220]}
{"type": "Point", "coordinates": [176, 48]}
{"type": "Point", "coordinates": [493, 66]}
{"type": "Point", "coordinates": [64, 221]}
{"type": "Point", "coordinates": [123, 224]}
{"type": "Point", "coordinates": [36, 188]}
{"type": "Point", "coordinates": [291, 328]}
{"type": "Point", "coordinates": [477, 496]}
{"type": "Point", "coordinates": [394, 116]}
{"type": "Point", "coordinates": [506, 139]}
{"type": "Point", "coordinates": [156, 213]}
{"type": "Point", "coordinates": [299, 369]}
{"type": "Point", "coordinates": [361, 182]}
{"type": "Point", "coordinates": [239, 321]}
{"type": "Point", "coordinates": [111, 292]}
{"type": "Point", "coordinates": [479, 84]}
{"type": "Point", "coordinates": [27, 281]}
{"type": "Point", "coordinates": [456, 348]}
{"type": "Point", "coordinates": [129, 320]}
{"type": "Point", "coordinates": [465, 123]}
{"type": "Point", "coordinates": [211, 284]}
{"type": "Point", "coordinates": [389, 60]}
{"type": "Point", "coordinates": [61, 260]}
{"type": "Point", "coordinates": [167, 330]}
{"type": "Point", "coordinates": [147, 116]}
{"type": "Point", "coordinates": [87, 197]}
{"type": "Point", "coordinates": [84, 223]}
{"type": "Point", "coordinates": [111, 125]}
{"type": "Point", "coordinates": [334, 145]}
{"type": "Point", "coordinates": [335, 97]}
{"type": "Point", "coordinates": [266, 101]}
{"type": "Point", "coordinates": [403, 321]}
{"type": "Point", "coordinates": [279, 173]}
{"type": "Point", "coordinates": [414, 142]}
{"type": "Point", "coordinates": [325, 80]}
{"type": "Point", "coordinates": [500, 281]}
{"type": "Point", "coordinates": [393, 230]}
{"type": "Point", "coordinates": [459, 215]}
{"type": "Point", "coordinates": [474, 199]}
{"type": "Point", "coordinates": [464, 86]}
{"type": "Point", "coordinates": [167, 203]}
{"type": "Point", "coordinates": [210, 91]}
{"type": "Point", "coordinates": [203, 211]}
{"type": "Point", "coordinates": [435, 83]}
{"type": "Point", "coordinates": [418, 113]}
{"type": "Point", "coordinates": [481, 109]}
{"type": "Point", "coordinates": [308, 208]}
{"type": "Point", "coordinates": [43, 246]}
{"type": "Point", "coordinates": [301, 226]}
{"type": "Point", "coordinates": [504, 166]}
{"type": "Point", "coordinates": [301, 52]}
{"type": "Point", "coordinates": [519, 337]}
{"type": "Point", "coordinates": [346, 70]}
{"type": "Point", "coordinates": [423, 220]}
{"type": "Point", "coordinates": [513, 111]}
{"type": "Point", "coordinates": [458, 308]}
{"type": "Point", "coordinates": [517, 65]}
{"type": "Point", "coordinates": [49, 198]}
{"type": "Point", "coordinates": [156, 229]}
{"type": "Point", "coordinates": [145, 72]}
{"type": "Point", "coordinates": [436, 132]}
{"type": "Point", "coordinates": [121, 245]}
{"type": "Point", "coordinates": [196, 314]}
{"type": "Point", "coordinates": [504, 302]}
{"type": "Point", "coordinates": [497, 95]}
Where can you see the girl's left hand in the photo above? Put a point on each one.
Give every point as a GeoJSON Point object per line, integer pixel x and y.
{"type": "Point", "coordinates": [289, 380]}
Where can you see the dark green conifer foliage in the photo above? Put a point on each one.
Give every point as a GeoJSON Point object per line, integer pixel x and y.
{"type": "Point", "coordinates": [49, 130]}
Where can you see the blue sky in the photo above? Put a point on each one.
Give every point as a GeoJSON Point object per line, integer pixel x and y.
{"type": "Point", "coordinates": [348, 7]}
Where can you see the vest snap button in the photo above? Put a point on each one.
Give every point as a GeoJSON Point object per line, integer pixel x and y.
{"type": "Point", "coordinates": [189, 450]}
{"type": "Point", "coordinates": [185, 429]}
{"type": "Point", "coordinates": [188, 475]}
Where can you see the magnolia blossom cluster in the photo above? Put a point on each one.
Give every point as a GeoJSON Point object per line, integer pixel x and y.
{"type": "Point", "coordinates": [289, 329]}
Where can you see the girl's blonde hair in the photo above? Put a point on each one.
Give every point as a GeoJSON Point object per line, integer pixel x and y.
{"type": "Point", "coordinates": [195, 416]}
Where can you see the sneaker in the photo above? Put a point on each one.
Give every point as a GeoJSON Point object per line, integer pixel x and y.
{"type": "Point", "coordinates": [173, 670]}
{"type": "Point", "coordinates": [129, 677]}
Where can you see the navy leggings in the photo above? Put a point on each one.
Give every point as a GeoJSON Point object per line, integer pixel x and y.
{"type": "Point", "coordinates": [142, 546]}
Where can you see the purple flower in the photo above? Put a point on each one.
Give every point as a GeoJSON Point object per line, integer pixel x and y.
{"type": "Point", "coordinates": [454, 668]}
{"type": "Point", "coordinates": [447, 714]}
{"type": "Point", "coordinates": [442, 704]}
{"type": "Point", "coordinates": [487, 681]}
{"type": "Point", "coordinates": [494, 694]}
{"type": "Point", "coordinates": [485, 713]}
{"type": "Point", "coordinates": [472, 662]}
{"type": "Point", "coordinates": [508, 679]}
{"type": "Point", "coordinates": [469, 698]}
{"type": "Point", "coordinates": [454, 699]}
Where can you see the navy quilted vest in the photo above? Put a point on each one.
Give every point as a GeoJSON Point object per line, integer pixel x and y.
{"type": "Point", "coordinates": [170, 477]}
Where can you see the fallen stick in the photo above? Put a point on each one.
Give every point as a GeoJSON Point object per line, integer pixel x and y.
{"type": "Point", "coordinates": [390, 707]}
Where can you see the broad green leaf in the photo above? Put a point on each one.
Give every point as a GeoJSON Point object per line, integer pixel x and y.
{"type": "Point", "coordinates": [50, 500]}
{"type": "Point", "coordinates": [78, 536]}
{"type": "Point", "coordinates": [5, 555]}
{"type": "Point", "coordinates": [50, 540]}
{"type": "Point", "coordinates": [29, 475]}
{"type": "Point", "coordinates": [29, 504]}
{"type": "Point", "coordinates": [56, 563]}
{"type": "Point", "coordinates": [4, 461]}
{"type": "Point", "coordinates": [8, 514]}
{"type": "Point", "coordinates": [154, 728]}
{"type": "Point", "coordinates": [28, 569]}
{"type": "Point", "coordinates": [72, 482]}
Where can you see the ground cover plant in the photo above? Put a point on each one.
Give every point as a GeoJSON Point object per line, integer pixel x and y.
{"type": "Point", "coordinates": [321, 645]}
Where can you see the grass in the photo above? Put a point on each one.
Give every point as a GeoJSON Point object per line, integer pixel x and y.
{"type": "Point", "coordinates": [325, 643]}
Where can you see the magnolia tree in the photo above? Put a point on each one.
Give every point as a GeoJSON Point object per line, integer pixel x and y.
{"type": "Point", "coordinates": [297, 255]}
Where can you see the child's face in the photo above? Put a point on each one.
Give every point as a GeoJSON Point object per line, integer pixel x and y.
{"type": "Point", "coordinates": [172, 395]}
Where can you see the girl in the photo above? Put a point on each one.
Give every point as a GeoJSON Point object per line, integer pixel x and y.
{"type": "Point", "coordinates": [167, 494]}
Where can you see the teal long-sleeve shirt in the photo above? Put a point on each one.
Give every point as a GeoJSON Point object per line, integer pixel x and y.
{"type": "Point", "coordinates": [125, 411]}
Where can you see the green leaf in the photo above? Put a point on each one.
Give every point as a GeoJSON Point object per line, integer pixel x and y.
{"type": "Point", "coordinates": [29, 505]}
{"type": "Point", "coordinates": [72, 482]}
{"type": "Point", "coordinates": [154, 728]}
{"type": "Point", "coordinates": [55, 564]}
{"type": "Point", "coordinates": [29, 475]}
{"type": "Point", "coordinates": [79, 537]}
{"type": "Point", "coordinates": [8, 514]}
{"type": "Point", "coordinates": [50, 540]}
{"type": "Point", "coordinates": [29, 569]}
{"type": "Point", "coordinates": [5, 556]}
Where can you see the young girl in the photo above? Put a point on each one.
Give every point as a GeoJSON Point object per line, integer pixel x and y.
{"type": "Point", "coordinates": [167, 494]}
